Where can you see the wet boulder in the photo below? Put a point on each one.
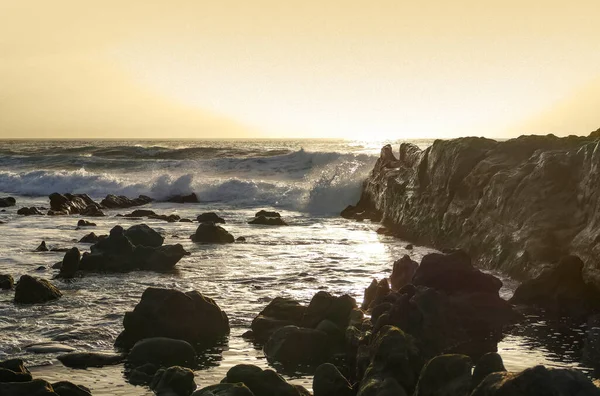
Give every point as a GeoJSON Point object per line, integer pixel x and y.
{"type": "Point", "coordinates": [209, 232]}
{"type": "Point", "coordinates": [6, 282]}
{"type": "Point", "coordinates": [122, 202]}
{"type": "Point", "coordinates": [267, 213]}
{"type": "Point", "coordinates": [329, 381]}
{"type": "Point", "coordinates": [238, 389]}
{"type": "Point", "coordinates": [70, 263]}
{"type": "Point", "coordinates": [7, 201]}
{"type": "Point", "coordinates": [453, 273]}
{"type": "Point", "coordinates": [170, 313]}
{"type": "Point", "coordinates": [85, 223]}
{"type": "Point", "coordinates": [141, 213]}
{"type": "Point", "coordinates": [280, 312]}
{"type": "Point", "coordinates": [173, 381]}
{"type": "Point", "coordinates": [210, 217]}
{"type": "Point", "coordinates": [381, 386]}
{"type": "Point", "coordinates": [190, 198]}
{"type": "Point", "coordinates": [66, 388]}
{"type": "Point", "coordinates": [403, 272]}
{"type": "Point", "coordinates": [172, 218]}
{"type": "Point", "coordinates": [92, 238]}
{"type": "Point", "coordinates": [261, 382]}
{"type": "Point", "coordinates": [82, 360]}
{"type": "Point", "coordinates": [271, 221]}
{"type": "Point", "coordinates": [35, 387]}
{"type": "Point", "coordinates": [561, 289]}
{"type": "Point", "coordinates": [292, 345]}
{"type": "Point", "coordinates": [162, 351]}
{"type": "Point", "coordinates": [537, 380]}
{"type": "Point", "coordinates": [445, 375]}
{"type": "Point", "coordinates": [143, 235]}
{"type": "Point", "coordinates": [68, 204]}
{"type": "Point", "coordinates": [489, 363]}
{"type": "Point", "coordinates": [162, 258]}
{"type": "Point", "coordinates": [42, 247]}
{"type": "Point", "coordinates": [32, 211]}
{"type": "Point", "coordinates": [31, 290]}
{"type": "Point", "coordinates": [375, 293]}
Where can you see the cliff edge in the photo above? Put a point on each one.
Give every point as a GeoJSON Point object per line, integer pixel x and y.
{"type": "Point", "coordinates": [514, 206]}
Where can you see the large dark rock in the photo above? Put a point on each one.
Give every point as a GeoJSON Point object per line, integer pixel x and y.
{"type": "Point", "coordinates": [453, 273]}
{"type": "Point", "coordinates": [68, 204]}
{"type": "Point", "coordinates": [7, 201]}
{"type": "Point", "coordinates": [143, 235]}
{"type": "Point", "coordinates": [535, 381]}
{"type": "Point", "coordinates": [116, 253]}
{"type": "Point", "coordinates": [560, 289]}
{"type": "Point", "coordinates": [92, 238]}
{"type": "Point", "coordinates": [173, 381]}
{"type": "Point", "coordinates": [210, 217]}
{"type": "Point", "coordinates": [260, 382]}
{"type": "Point", "coordinates": [162, 351]}
{"type": "Point", "coordinates": [445, 375]}
{"type": "Point", "coordinates": [31, 290]}
{"type": "Point", "coordinates": [70, 263]}
{"type": "Point", "coordinates": [36, 387]}
{"type": "Point", "coordinates": [512, 205]}
{"type": "Point", "coordinates": [141, 213]}
{"type": "Point", "coordinates": [324, 306]}
{"type": "Point", "coordinates": [403, 272]}
{"type": "Point", "coordinates": [489, 363]}
{"type": "Point", "coordinates": [6, 282]}
{"type": "Point", "coordinates": [329, 381]}
{"type": "Point", "coordinates": [66, 388]}
{"type": "Point", "coordinates": [170, 313]}
{"type": "Point", "coordinates": [280, 312]}
{"type": "Point", "coordinates": [209, 232]}
{"type": "Point", "coordinates": [82, 360]}
{"type": "Point", "coordinates": [122, 202]}
{"type": "Point", "coordinates": [29, 212]}
{"type": "Point", "coordinates": [293, 345]}
{"type": "Point", "coordinates": [190, 198]}
{"type": "Point", "coordinates": [267, 213]}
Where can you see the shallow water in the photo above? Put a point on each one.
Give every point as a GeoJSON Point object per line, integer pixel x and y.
{"type": "Point", "coordinates": [318, 251]}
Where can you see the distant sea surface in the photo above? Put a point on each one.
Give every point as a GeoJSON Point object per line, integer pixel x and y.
{"type": "Point", "coordinates": [308, 181]}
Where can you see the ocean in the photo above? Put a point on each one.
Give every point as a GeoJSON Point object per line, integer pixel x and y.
{"type": "Point", "coordinates": [308, 181]}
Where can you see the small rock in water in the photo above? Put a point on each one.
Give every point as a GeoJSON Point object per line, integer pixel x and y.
{"type": "Point", "coordinates": [30, 290]}
{"type": "Point", "coordinates": [175, 380]}
{"type": "Point", "coordinates": [210, 216]}
{"type": "Point", "coordinates": [6, 282]}
{"type": "Point", "coordinates": [162, 351]}
{"type": "Point", "coordinates": [42, 247]}
{"type": "Point", "coordinates": [90, 359]}
{"type": "Point", "coordinates": [41, 268]}
{"type": "Point", "coordinates": [209, 232]}
{"type": "Point", "coordinates": [50, 347]}
{"type": "Point", "coordinates": [409, 247]}
{"type": "Point", "coordinates": [190, 198]}
{"type": "Point", "coordinates": [29, 212]}
{"type": "Point", "coordinates": [240, 239]}
{"type": "Point", "coordinates": [85, 223]}
{"type": "Point", "coordinates": [7, 201]}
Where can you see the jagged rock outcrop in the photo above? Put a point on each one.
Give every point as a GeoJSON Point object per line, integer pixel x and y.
{"type": "Point", "coordinates": [122, 202]}
{"type": "Point", "coordinates": [513, 205]}
{"type": "Point", "coordinates": [69, 204]}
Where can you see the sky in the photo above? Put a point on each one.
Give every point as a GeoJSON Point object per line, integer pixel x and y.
{"type": "Point", "coordinates": [314, 68]}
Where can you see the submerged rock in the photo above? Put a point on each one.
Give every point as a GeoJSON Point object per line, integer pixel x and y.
{"type": "Point", "coordinates": [7, 201]}
{"type": "Point", "coordinates": [209, 232]}
{"type": "Point", "coordinates": [122, 202]}
{"type": "Point", "coordinates": [30, 290]}
{"type": "Point", "coordinates": [6, 282]}
{"type": "Point", "coordinates": [210, 217]}
{"type": "Point", "coordinates": [170, 313]}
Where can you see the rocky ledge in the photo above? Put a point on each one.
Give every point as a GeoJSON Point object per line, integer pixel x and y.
{"type": "Point", "coordinates": [516, 206]}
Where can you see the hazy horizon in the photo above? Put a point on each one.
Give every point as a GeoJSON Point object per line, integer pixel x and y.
{"type": "Point", "coordinates": [311, 69]}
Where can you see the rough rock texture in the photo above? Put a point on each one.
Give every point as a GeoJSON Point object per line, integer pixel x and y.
{"type": "Point", "coordinates": [121, 202]}
{"type": "Point", "coordinates": [7, 201]}
{"type": "Point", "coordinates": [66, 388]}
{"type": "Point", "coordinates": [298, 345]}
{"type": "Point", "coordinates": [512, 205]}
{"type": "Point", "coordinates": [487, 364]}
{"type": "Point", "coordinates": [92, 238]}
{"type": "Point", "coordinates": [170, 313]}
{"type": "Point", "coordinates": [32, 211]}
{"type": "Point", "coordinates": [31, 290]}
{"type": "Point", "coordinates": [209, 232]}
{"type": "Point", "coordinates": [68, 204]}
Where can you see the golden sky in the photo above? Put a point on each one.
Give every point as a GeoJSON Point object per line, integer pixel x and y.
{"type": "Point", "coordinates": [286, 68]}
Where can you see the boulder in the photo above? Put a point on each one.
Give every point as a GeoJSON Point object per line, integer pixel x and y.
{"type": "Point", "coordinates": [375, 292]}
{"type": "Point", "coordinates": [42, 247]}
{"type": "Point", "coordinates": [31, 290]}
{"type": "Point", "coordinates": [7, 201]}
{"type": "Point", "coordinates": [6, 282]}
{"type": "Point", "coordinates": [29, 212]}
{"type": "Point", "coordinates": [15, 365]}
{"type": "Point", "coordinates": [379, 386]}
{"type": "Point", "coordinates": [537, 380]}
{"type": "Point", "coordinates": [272, 221]}
{"type": "Point", "coordinates": [92, 238]}
{"type": "Point", "coordinates": [560, 289]}
{"type": "Point", "coordinates": [211, 233]}
{"type": "Point", "coordinates": [280, 312]}
{"type": "Point", "coordinates": [162, 351]}
{"type": "Point", "coordinates": [489, 363]}
{"type": "Point", "coordinates": [324, 306]}
{"type": "Point", "coordinates": [141, 213]}
{"type": "Point", "coordinates": [66, 388]}
{"type": "Point", "coordinates": [85, 223]}
{"type": "Point", "coordinates": [210, 217]}
{"type": "Point", "coordinates": [143, 235]}
{"type": "Point", "coordinates": [7, 375]}
{"type": "Point", "coordinates": [453, 273]}
{"type": "Point", "coordinates": [190, 198]}
{"type": "Point", "coordinates": [173, 381]}
{"type": "Point", "coordinates": [403, 272]}
{"type": "Point", "coordinates": [82, 360]}
{"type": "Point", "coordinates": [260, 382]}
{"type": "Point", "coordinates": [329, 381]}
{"type": "Point", "coordinates": [70, 263]}
{"type": "Point", "coordinates": [267, 213]}
{"type": "Point", "coordinates": [122, 202]}
{"type": "Point", "coordinates": [292, 345]}
{"type": "Point", "coordinates": [36, 387]}
{"type": "Point", "coordinates": [69, 204]}
{"type": "Point", "coordinates": [445, 375]}
{"type": "Point", "coordinates": [170, 313]}
{"type": "Point", "coordinates": [238, 389]}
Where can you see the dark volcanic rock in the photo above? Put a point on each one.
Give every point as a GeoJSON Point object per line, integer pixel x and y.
{"type": "Point", "coordinates": [403, 272]}
{"type": "Point", "coordinates": [162, 351]}
{"type": "Point", "coordinates": [560, 289]}
{"type": "Point", "coordinates": [454, 273]}
{"type": "Point", "coordinates": [263, 220]}
{"type": "Point", "coordinates": [261, 382]}
{"type": "Point", "coordinates": [445, 375]}
{"type": "Point", "coordinates": [29, 212]}
{"type": "Point", "coordinates": [122, 202]}
{"type": "Point", "coordinates": [68, 204]}
{"type": "Point", "coordinates": [173, 381]}
{"type": "Point", "coordinates": [143, 235]}
{"type": "Point", "coordinates": [190, 198]}
{"type": "Point", "coordinates": [210, 217]}
{"type": "Point", "coordinates": [83, 360]}
{"type": "Point", "coordinates": [209, 232]}
{"type": "Point", "coordinates": [92, 238]}
{"type": "Point", "coordinates": [170, 313]}
{"type": "Point", "coordinates": [85, 223]}
{"type": "Point", "coordinates": [537, 380]}
{"type": "Point", "coordinates": [70, 263]}
{"type": "Point", "coordinates": [7, 201]}
{"type": "Point", "coordinates": [6, 282]}
{"type": "Point", "coordinates": [513, 205]}
{"type": "Point", "coordinates": [30, 290]}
